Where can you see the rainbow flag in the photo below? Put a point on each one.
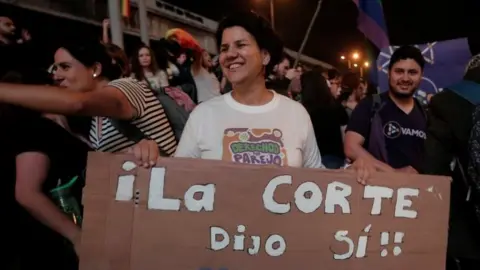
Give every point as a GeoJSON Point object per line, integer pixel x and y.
{"type": "Point", "coordinates": [125, 8]}
{"type": "Point", "coordinates": [184, 39]}
{"type": "Point", "coordinates": [371, 22]}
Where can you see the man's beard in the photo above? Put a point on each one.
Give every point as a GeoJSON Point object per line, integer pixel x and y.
{"type": "Point", "coordinates": [401, 95]}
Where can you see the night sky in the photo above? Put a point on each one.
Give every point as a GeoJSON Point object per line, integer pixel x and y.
{"type": "Point", "coordinates": [409, 21]}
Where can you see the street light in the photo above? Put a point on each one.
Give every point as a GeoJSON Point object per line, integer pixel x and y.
{"type": "Point", "coordinates": [355, 65]}
{"type": "Point", "coordinates": [342, 57]}
{"type": "Point", "coordinates": [366, 64]}
{"type": "Point", "coordinates": [355, 56]}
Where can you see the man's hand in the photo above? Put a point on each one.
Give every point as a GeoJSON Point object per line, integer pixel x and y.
{"type": "Point", "coordinates": [26, 36]}
{"type": "Point", "coordinates": [408, 169]}
{"type": "Point", "coordinates": [364, 167]}
{"type": "Point", "coordinates": [292, 73]}
{"type": "Point", "coordinates": [146, 153]}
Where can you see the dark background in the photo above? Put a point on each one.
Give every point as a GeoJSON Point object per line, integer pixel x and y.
{"type": "Point", "coordinates": [334, 33]}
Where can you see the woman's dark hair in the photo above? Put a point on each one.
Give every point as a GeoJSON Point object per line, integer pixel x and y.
{"type": "Point", "coordinates": [162, 55]}
{"type": "Point", "coordinates": [119, 55]}
{"type": "Point", "coordinates": [172, 47]}
{"type": "Point", "coordinates": [260, 29]}
{"type": "Point", "coordinates": [345, 95]}
{"type": "Point", "coordinates": [137, 68]}
{"type": "Point", "coordinates": [92, 53]}
{"type": "Point", "coordinates": [371, 89]}
{"type": "Point", "coordinates": [315, 91]}
{"type": "Point", "coordinates": [333, 73]}
{"type": "Point", "coordinates": [351, 80]}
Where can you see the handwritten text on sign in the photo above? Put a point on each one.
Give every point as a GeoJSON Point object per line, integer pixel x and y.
{"type": "Point", "coordinates": [307, 198]}
{"type": "Point", "coordinates": [219, 215]}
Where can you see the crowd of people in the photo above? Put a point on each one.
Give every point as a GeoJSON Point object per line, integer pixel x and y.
{"type": "Point", "coordinates": [174, 100]}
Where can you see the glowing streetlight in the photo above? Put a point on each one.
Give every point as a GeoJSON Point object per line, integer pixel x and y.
{"type": "Point", "coordinates": [355, 56]}
{"type": "Point", "coordinates": [366, 64]}
{"type": "Point", "coordinates": [355, 65]}
{"type": "Point", "coordinates": [342, 57]}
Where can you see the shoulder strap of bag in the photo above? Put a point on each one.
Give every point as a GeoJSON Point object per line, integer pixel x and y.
{"type": "Point", "coordinates": [464, 178]}
{"type": "Point", "coordinates": [421, 107]}
{"type": "Point", "coordinates": [376, 141]}
{"type": "Point", "coordinates": [377, 101]}
{"type": "Point", "coordinates": [468, 90]}
{"type": "Point", "coordinates": [132, 132]}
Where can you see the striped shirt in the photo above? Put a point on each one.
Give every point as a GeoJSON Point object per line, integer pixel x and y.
{"type": "Point", "coordinates": [149, 117]}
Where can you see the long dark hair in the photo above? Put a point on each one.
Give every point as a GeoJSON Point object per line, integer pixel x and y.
{"type": "Point", "coordinates": [91, 53]}
{"type": "Point", "coordinates": [315, 91]}
{"type": "Point", "coordinates": [137, 69]}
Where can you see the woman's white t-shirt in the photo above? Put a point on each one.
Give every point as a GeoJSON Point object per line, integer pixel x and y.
{"type": "Point", "coordinates": [278, 133]}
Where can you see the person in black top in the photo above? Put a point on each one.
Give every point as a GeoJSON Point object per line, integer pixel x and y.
{"type": "Point", "coordinates": [46, 153]}
{"type": "Point", "coordinates": [392, 135]}
{"type": "Point", "coordinates": [450, 121]}
{"type": "Point", "coordinates": [329, 118]}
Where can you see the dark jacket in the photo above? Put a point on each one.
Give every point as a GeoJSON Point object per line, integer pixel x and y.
{"type": "Point", "coordinates": [448, 131]}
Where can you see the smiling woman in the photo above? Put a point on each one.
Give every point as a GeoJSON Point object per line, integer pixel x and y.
{"type": "Point", "coordinates": [251, 124]}
{"type": "Point", "coordinates": [89, 76]}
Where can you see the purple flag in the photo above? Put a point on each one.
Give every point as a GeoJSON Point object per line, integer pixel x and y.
{"type": "Point", "coordinates": [371, 21]}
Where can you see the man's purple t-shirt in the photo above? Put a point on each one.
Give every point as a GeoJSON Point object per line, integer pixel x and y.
{"type": "Point", "coordinates": [404, 133]}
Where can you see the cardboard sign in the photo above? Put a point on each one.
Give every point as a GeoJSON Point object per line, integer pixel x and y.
{"type": "Point", "coordinates": [198, 215]}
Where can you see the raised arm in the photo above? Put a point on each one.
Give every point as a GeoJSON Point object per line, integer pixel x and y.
{"type": "Point", "coordinates": [107, 101]}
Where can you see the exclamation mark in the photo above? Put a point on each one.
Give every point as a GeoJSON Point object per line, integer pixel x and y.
{"type": "Point", "coordinates": [137, 197]}
{"type": "Point", "coordinates": [384, 239]}
{"type": "Point", "coordinates": [398, 240]}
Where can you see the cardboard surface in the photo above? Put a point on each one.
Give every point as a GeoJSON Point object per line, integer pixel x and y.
{"type": "Point", "coordinates": [126, 235]}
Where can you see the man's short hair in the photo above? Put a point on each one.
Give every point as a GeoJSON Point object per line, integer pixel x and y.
{"type": "Point", "coordinates": [407, 52]}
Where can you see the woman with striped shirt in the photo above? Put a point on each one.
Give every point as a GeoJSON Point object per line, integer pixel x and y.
{"type": "Point", "coordinates": [88, 76]}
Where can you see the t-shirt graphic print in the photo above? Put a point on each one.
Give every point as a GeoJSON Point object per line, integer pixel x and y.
{"type": "Point", "coordinates": [254, 146]}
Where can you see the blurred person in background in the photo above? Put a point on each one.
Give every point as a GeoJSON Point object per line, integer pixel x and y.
{"type": "Point", "coordinates": [281, 76]}
{"type": "Point", "coordinates": [451, 135]}
{"type": "Point", "coordinates": [328, 117]}
{"type": "Point", "coordinates": [334, 82]}
{"type": "Point", "coordinates": [17, 52]}
{"type": "Point", "coordinates": [353, 90]}
{"type": "Point", "coordinates": [179, 65]}
{"type": "Point", "coordinates": [206, 81]}
{"type": "Point", "coordinates": [145, 68]}
{"type": "Point", "coordinates": [207, 61]}
{"type": "Point", "coordinates": [207, 85]}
